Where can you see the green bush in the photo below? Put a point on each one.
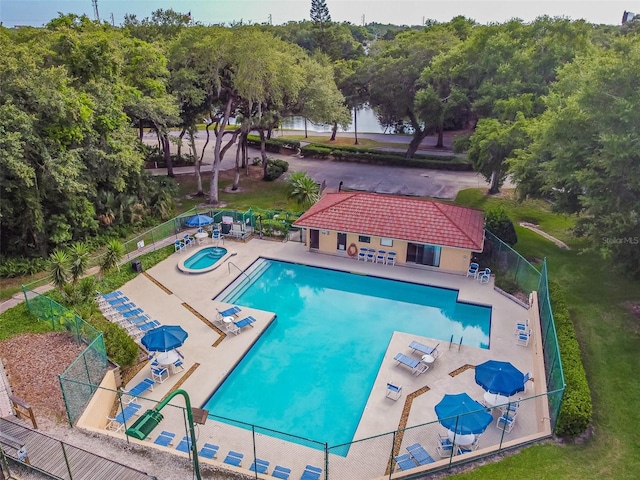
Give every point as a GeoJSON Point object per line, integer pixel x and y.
{"type": "Point", "coordinates": [121, 348]}
{"type": "Point", "coordinates": [354, 154]}
{"type": "Point", "coordinates": [575, 413]}
{"type": "Point", "coordinates": [497, 222]}
{"type": "Point", "coordinates": [315, 151]}
{"type": "Point", "coordinates": [21, 267]}
{"type": "Point", "coordinates": [274, 227]}
{"type": "Point", "coordinates": [274, 145]}
{"type": "Point", "coordinates": [275, 168]}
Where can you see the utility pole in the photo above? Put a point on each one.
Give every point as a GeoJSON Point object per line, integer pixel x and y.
{"type": "Point", "coordinates": [96, 15]}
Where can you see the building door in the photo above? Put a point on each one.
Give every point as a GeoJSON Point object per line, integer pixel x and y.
{"type": "Point", "coordinates": [314, 238]}
{"type": "Point", "coordinates": [423, 254]}
{"type": "Point", "coordinates": [342, 241]}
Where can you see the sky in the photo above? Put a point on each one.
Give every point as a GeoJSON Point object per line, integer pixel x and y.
{"type": "Point", "coordinates": [398, 12]}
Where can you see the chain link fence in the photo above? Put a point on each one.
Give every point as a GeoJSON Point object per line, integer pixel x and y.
{"type": "Point", "coordinates": [550, 347]}
{"type": "Point", "coordinates": [368, 458]}
{"type": "Point", "coordinates": [78, 381]}
{"type": "Point", "coordinates": [514, 274]}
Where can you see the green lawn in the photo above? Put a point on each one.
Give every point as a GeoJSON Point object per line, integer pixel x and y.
{"type": "Point", "coordinates": [608, 336]}
{"type": "Point", "coordinates": [252, 193]}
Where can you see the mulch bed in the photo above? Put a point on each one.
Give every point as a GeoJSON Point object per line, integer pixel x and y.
{"type": "Point", "coordinates": [33, 363]}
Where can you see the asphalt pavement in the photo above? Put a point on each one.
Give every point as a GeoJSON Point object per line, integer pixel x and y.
{"type": "Point", "coordinates": [409, 181]}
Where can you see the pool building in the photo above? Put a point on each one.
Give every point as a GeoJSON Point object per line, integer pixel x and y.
{"type": "Point", "coordinates": [422, 232]}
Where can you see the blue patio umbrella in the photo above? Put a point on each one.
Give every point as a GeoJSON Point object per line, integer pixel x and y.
{"type": "Point", "coordinates": [501, 378]}
{"type": "Point", "coordinates": [462, 414]}
{"type": "Point", "coordinates": [198, 221]}
{"type": "Point", "coordinates": [164, 338]}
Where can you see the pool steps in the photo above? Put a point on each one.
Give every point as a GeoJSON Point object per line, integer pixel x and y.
{"type": "Point", "coordinates": [234, 290]}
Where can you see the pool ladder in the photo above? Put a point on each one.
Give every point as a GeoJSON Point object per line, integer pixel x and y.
{"type": "Point", "coordinates": [239, 269]}
{"type": "Point", "coordinates": [451, 343]}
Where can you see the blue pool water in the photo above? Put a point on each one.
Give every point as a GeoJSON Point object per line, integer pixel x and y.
{"type": "Point", "coordinates": [205, 258]}
{"type": "Point", "coordinates": [311, 371]}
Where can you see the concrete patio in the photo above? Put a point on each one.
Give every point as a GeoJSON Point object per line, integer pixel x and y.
{"type": "Point", "coordinates": [174, 297]}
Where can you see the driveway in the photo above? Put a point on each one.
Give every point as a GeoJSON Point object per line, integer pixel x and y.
{"type": "Point", "coordinates": [357, 176]}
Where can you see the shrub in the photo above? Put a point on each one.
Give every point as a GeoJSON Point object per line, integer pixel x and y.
{"type": "Point", "coordinates": [275, 168]}
{"type": "Point", "coordinates": [274, 227]}
{"type": "Point", "coordinates": [498, 223]}
{"type": "Point", "coordinates": [354, 154]}
{"type": "Point", "coordinates": [121, 348]}
{"type": "Point", "coordinates": [576, 410]}
{"type": "Point", "coordinates": [20, 267]}
{"type": "Point", "coordinates": [275, 145]}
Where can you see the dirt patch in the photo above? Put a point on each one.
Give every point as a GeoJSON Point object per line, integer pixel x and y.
{"type": "Point", "coordinates": [33, 363]}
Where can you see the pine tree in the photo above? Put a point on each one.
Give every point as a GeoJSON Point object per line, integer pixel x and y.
{"type": "Point", "coordinates": [320, 12]}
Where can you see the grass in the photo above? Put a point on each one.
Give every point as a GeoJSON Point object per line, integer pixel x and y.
{"type": "Point", "coordinates": [253, 192]}
{"type": "Point", "coordinates": [18, 321]}
{"type": "Point", "coordinates": [608, 335]}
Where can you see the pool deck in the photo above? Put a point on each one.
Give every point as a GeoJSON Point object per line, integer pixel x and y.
{"type": "Point", "coordinates": [174, 297]}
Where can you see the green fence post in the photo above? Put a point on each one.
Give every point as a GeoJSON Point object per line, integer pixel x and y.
{"type": "Point", "coordinates": [66, 460]}
{"type": "Point", "coordinates": [64, 399]}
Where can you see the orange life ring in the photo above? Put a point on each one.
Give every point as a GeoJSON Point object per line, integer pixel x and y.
{"type": "Point", "coordinates": [352, 250]}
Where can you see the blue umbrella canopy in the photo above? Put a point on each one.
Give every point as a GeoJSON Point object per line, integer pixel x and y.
{"type": "Point", "coordinates": [462, 414]}
{"type": "Point", "coordinates": [199, 221]}
{"type": "Point", "coordinates": [164, 338]}
{"type": "Point", "coordinates": [501, 378]}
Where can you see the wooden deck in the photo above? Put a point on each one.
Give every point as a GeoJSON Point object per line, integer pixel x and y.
{"type": "Point", "coordinates": [60, 459]}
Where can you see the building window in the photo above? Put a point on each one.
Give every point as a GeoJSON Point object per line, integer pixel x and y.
{"type": "Point", "coordinates": [364, 239]}
{"type": "Point", "coordinates": [386, 242]}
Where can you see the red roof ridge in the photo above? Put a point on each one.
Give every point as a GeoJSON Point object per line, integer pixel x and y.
{"type": "Point", "coordinates": [438, 204]}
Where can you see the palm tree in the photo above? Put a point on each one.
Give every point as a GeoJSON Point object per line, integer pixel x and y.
{"type": "Point", "coordinates": [303, 189]}
{"type": "Point", "coordinates": [112, 256]}
{"type": "Point", "coordinates": [59, 265]}
{"type": "Point", "coordinates": [79, 261]}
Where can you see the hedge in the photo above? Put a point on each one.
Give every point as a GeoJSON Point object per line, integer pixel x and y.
{"type": "Point", "coordinates": [575, 413]}
{"type": "Point", "coordinates": [275, 145]}
{"type": "Point", "coordinates": [353, 154]}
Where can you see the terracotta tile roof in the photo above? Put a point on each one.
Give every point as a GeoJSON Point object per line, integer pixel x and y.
{"type": "Point", "coordinates": [403, 218]}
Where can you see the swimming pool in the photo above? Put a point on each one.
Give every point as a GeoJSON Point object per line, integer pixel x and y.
{"type": "Point", "coordinates": [311, 371]}
{"type": "Point", "coordinates": [203, 260]}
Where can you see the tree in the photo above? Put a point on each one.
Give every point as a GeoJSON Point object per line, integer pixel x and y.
{"type": "Point", "coordinates": [79, 261]}
{"type": "Point", "coordinates": [303, 189]}
{"type": "Point", "coordinates": [584, 151]}
{"type": "Point", "coordinates": [320, 12]}
{"type": "Point", "coordinates": [321, 19]}
{"type": "Point", "coordinates": [394, 68]}
{"type": "Point", "coordinates": [498, 222]}
{"type": "Point", "coordinates": [491, 145]}
{"type": "Point", "coordinates": [111, 257]}
{"type": "Point", "coordinates": [59, 268]}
